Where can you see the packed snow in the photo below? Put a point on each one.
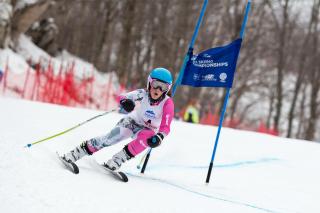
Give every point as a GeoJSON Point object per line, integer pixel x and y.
{"type": "Point", "coordinates": [252, 173]}
{"type": "Point", "coordinates": [20, 4]}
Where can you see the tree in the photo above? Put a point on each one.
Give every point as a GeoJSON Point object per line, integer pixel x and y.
{"type": "Point", "coordinates": [25, 16]}
{"type": "Point", "coordinates": [301, 72]}
{"type": "Point", "coordinates": [314, 75]}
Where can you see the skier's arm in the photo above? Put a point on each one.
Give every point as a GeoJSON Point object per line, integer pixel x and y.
{"type": "Point", "coordinates": [127, 101]}
{"type": "Point", "coordinates": [167, 116]}
{"type": "Point", "coordinates": [135, 95]}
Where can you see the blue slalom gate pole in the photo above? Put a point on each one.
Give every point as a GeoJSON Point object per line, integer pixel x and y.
{"type": "Point", "coordinates": [226, 99]}
{"type": "Point", "coordinates": [181, 72]}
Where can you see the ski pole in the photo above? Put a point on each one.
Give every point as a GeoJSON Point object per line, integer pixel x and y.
{"type": "Point", "coordinates": [146, 161]}
{"type": "Point", "coordinates": [142, 160]}
{"type": "Point", "coordinates": [68, 130]}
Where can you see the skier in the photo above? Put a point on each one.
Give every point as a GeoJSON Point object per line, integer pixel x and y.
{"type": "Point", "coordinates": [148, 124]}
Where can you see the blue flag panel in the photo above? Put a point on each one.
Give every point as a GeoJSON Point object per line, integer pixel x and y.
{"type": "Point", "coordinates": [214, 67]}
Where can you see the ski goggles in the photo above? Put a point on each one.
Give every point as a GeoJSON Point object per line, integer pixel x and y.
{"type": "Point", "coordinates": [156, 84]}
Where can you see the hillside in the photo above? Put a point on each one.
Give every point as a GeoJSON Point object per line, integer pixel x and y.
{"type": "Point", "coordinates": [253, 172]}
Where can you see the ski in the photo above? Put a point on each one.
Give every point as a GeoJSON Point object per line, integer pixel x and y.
{"type": "Point", "coordinates": [71, 166]}
{"type": "Point", "coordinates": [68, 164]}
{"type": "Point", "coordinates": [117, 174]}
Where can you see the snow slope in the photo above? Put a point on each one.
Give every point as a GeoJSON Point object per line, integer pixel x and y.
{"type": "Point", "coordinates": [253, 172]}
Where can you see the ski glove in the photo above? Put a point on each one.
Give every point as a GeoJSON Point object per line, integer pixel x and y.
{"type": "Point", "coordinates": [127, 104]}
{"type": "Point", "coordinates": [155, 140]}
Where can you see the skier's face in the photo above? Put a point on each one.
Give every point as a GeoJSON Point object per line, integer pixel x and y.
{"type": "Point", "coordinates": [155, 93]}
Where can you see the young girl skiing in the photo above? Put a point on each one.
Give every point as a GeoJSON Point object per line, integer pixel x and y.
{"type": "Point", "coordinates": [149, 123]}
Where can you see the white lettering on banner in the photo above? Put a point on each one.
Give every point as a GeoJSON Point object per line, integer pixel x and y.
{"type": "Point", "coordinates": [208, 63]}
{"type": "Point", "coordinates": [196, 77]}
{"type": "Point", "coordinates": [208, 77]}
{"type": "Point", "coordinates": [223, 76]}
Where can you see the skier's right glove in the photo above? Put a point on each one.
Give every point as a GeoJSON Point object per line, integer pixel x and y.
{"type": "Point", "coordinates": [155, 140]}
{"type": "Point", "coordinates": [127, 104]}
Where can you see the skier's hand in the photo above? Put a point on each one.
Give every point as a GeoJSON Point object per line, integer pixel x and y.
{"type": "Point", "coordinates": [127, 104]}
{"type": "Point", "coordinates": [155, 140]}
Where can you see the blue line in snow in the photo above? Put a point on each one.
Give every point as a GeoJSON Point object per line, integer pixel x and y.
{"type": "Point", "coordinates": [203, 194]}
{"type": "Point", "coordinates": [263, 160]}
{"type": "Point", "coordinates": [227, 165]}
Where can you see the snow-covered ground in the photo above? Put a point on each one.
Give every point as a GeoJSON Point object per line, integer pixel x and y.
{"type": "Point", "coordinates": [253, 172]}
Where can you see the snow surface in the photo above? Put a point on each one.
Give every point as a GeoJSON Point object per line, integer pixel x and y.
{"type": "Point", "coordinates": [28, 51]}
{"type": "Point", "coordinates": [24, 3]}
{"type": "Point", "coordinates": [5, 13]}
{"type": "Point", "coordinates": [15, 62]}
{"type": "Point", "coordinates": [253, 172]}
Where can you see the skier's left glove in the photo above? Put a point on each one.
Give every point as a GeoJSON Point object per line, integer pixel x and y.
{"type": "Point", "coordinates": [155, 140]}
{"type": "Point", "coordinates": [127, 104]}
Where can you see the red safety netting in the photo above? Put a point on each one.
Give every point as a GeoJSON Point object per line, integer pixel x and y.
{"type": "Point", "coordinates": [42, 83]}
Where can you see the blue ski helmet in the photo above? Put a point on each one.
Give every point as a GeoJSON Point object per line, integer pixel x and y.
{"type": "Point", "coordinates": [161, 74]}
